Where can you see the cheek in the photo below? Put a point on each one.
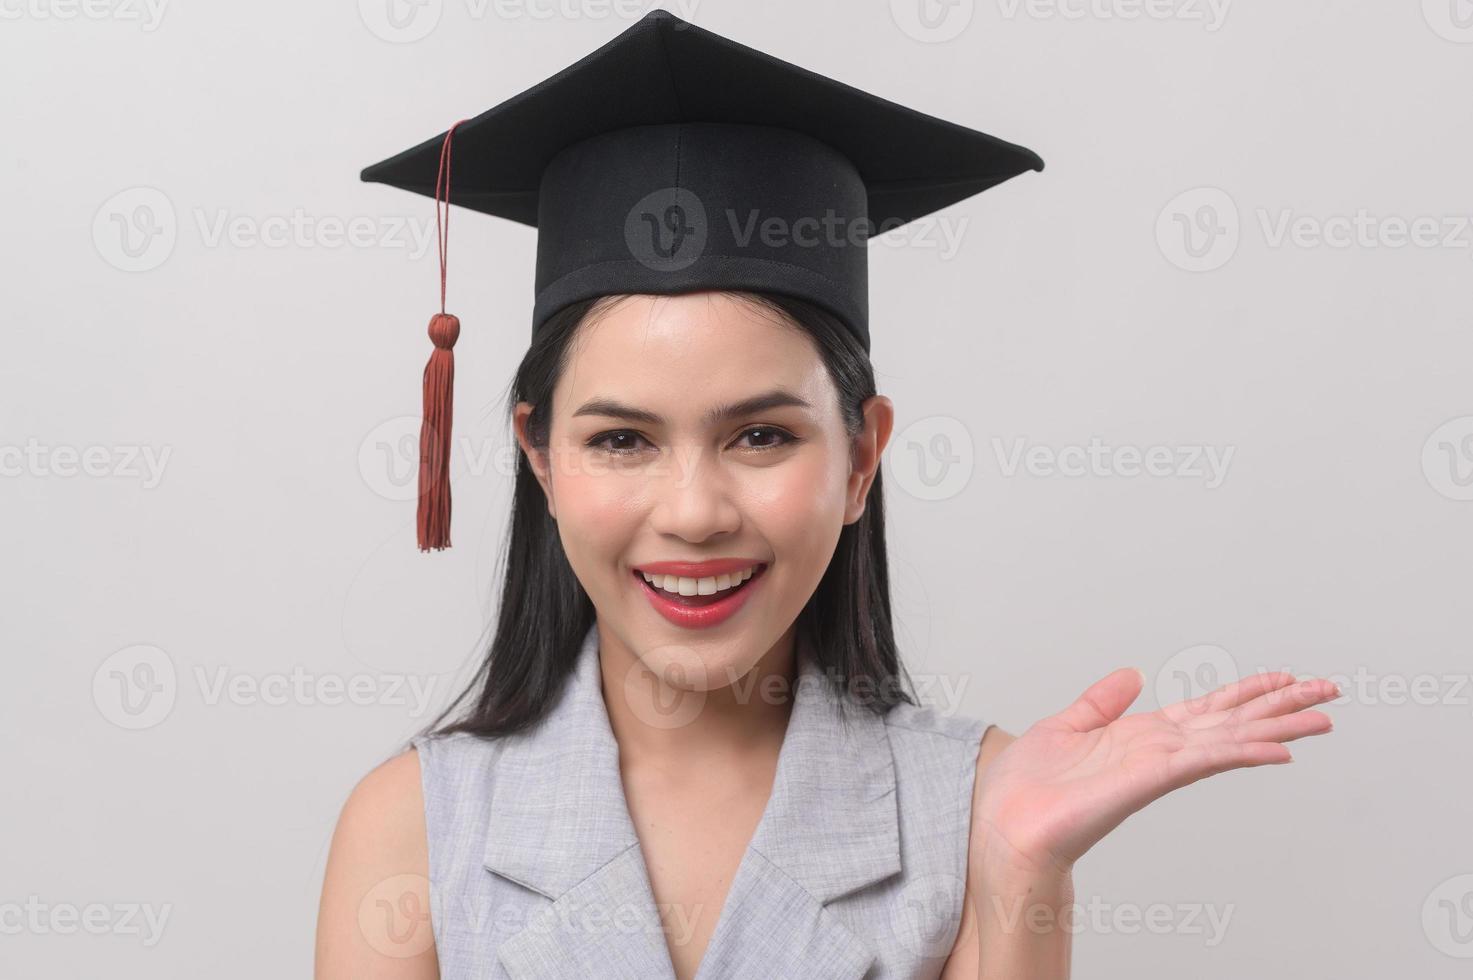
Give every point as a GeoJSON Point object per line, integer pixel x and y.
{"type": "Point", "coordinates": [799, 506]}
{"type": "Point", "coordinates": [597, 512]}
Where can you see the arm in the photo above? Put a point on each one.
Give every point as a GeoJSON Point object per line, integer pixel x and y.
{"type": "Point", "coordinates": [1016, 894]}
{"type": "Point", "coordinates": [1057, 790]}
{"type": "Point", "coordinates": [373, 920]}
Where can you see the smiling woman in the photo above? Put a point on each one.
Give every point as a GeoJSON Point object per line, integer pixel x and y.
{"type": "Point", "coordinates": [690, 750]}
{"type": "Point", "coordinates": [764, 463]}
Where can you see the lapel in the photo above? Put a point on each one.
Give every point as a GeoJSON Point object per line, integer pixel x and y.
{"type": "Point", "coordinates": [559, 825]}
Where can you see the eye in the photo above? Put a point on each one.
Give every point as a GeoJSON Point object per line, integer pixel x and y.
{"type": "Point", "coordinates": [766, 437]}
{"type": "Point", "coordinates": [620, 442]}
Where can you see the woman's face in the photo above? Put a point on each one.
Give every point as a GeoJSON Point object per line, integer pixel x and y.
{"type": "Point", "coordinates": [700, 472]}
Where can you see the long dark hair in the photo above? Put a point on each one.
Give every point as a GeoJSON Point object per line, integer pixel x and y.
{"type": "Point", "coordinates": [545, 614]}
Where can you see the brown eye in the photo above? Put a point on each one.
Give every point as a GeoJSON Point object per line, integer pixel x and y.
{"type": "Point", "coordinates": [619, 443]}
{"type": "Point", "coordinates": [765, 437]}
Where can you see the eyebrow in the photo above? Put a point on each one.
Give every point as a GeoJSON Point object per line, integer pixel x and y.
{"type": "Point", "coordinates": [777, 398]}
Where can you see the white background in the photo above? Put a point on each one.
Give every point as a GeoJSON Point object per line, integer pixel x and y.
{"type": "Point", "coordinates": [271, 378]}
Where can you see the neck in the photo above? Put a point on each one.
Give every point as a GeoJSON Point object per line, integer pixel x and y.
{"type": "Point", "coordinates": [656, 719]}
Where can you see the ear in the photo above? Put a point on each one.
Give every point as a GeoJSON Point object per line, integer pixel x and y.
{"type": "Point", "coordinates": [538, 459]}
{"type": "Point", "coordinates": [868, 446]}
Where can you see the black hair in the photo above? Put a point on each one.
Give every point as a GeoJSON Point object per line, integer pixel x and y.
{"type": "Point", "coordinates": [544, 613]}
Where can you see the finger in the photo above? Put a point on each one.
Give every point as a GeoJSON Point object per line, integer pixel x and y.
{"type": "Point", "coordinates": [1285, 700]}
{"type": "Point", "coordinates": [1284, 728]}
{"type": "Point", "coordinates": [1103, 701]}
{"type": "Point", "coordinates": [1199, 761]}
{"type": "Point", "coordinates": [1228, 696]}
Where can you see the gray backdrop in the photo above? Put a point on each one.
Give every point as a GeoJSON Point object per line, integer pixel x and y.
{"type": "Point", "coordinates": [1195, 398]}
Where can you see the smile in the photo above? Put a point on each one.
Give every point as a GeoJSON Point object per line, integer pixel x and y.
{"type": "Point", "coordinates": [699, 594]}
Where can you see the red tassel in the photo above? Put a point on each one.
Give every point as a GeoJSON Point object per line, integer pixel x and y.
{"type": "Point", "coordinates": [434, 435]}
{"type": "Point", "coordinates": [433, 518]}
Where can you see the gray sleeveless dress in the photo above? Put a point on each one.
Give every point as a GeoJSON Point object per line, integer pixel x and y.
{"type": "Point", "coordinates": [856, 870]}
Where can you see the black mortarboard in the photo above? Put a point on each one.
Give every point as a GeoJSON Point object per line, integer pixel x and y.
{"type": "Point", "coordinates": [672, 160]}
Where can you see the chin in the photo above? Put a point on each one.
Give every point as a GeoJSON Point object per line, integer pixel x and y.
{"type": "Point", "coordinates": [702, 663]}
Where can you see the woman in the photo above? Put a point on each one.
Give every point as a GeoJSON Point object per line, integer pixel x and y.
{"type": "Point", "coordinates": [689, 752]}
{"type": "Point", "coordinates": [789, 486]}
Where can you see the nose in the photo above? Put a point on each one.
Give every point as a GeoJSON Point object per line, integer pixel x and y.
{"type": "Point", "coordinates": [693, 501]}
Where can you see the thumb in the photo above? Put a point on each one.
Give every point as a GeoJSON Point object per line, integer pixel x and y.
{"type": "Point", "coordinates": [1104, 701]}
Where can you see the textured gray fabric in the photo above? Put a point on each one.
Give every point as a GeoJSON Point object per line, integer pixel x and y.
{"type": "Point", "coordinates": [857, 867]}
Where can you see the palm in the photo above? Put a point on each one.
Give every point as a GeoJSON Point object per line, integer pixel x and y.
{"type": "Point", "coordinates": [1073, 777]}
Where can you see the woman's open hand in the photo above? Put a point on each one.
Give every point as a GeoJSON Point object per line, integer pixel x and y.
{"type": "Point", "coordinates": [1073, 777]}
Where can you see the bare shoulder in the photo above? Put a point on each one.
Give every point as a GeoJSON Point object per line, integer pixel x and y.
{"type": "Point", "coordinates": [993, 742]}
{"type": "Point", "coordinates": [377, 867]}
{"type": "Point", "coordinates": [964, 960]}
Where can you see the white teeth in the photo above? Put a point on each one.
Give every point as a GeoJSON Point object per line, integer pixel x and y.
{"type": "Point", "coordinates": [710, 585]}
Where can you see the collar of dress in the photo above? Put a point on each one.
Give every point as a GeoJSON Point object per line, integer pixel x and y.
{"type": "Point", "coordinates": [559, 825]}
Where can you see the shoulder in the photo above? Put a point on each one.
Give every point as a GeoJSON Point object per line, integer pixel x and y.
{"type": "Point", "coordinates": [978, 740]}
{"type": "Point", "coordinates": [962, 962]}
{"type": "Point", "coordinates": [923, 737]}
{"type": "Point", "coordinates": [936, 760]}
{"type": "Point", "coordinates": [926, 720]}
{"type": "Point", "coordinates": [379, 858]}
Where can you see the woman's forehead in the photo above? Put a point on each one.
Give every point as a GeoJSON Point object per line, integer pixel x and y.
{"type": "Point", "coordinates": [700, 347]}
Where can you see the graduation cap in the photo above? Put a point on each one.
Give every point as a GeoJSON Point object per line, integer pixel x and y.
{"type": "Point", "coordinates": [672, 160]}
